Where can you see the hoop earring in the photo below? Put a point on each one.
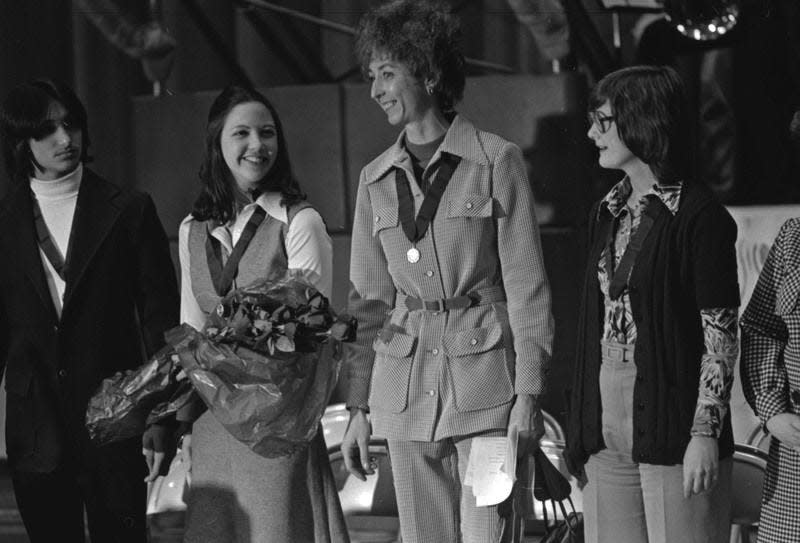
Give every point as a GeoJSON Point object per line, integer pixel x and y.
{"type": "Point", "coordinates": [429, 89]}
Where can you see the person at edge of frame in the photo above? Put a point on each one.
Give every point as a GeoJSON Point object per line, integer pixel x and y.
{"type": "Point", "coordinates": [87, 281]}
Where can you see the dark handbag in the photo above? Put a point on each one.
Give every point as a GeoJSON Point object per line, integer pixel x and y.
{"type": "Point", "coordinates": [551, 486]}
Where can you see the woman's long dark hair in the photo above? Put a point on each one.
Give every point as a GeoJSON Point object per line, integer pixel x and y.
{"type": "Point", "coordinates": [24, 117]}
{"type": "Point", "coordinates": [217, 200]}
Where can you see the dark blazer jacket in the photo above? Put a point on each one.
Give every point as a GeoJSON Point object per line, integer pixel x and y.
{"type": "Point", "coordinates": [121, 295]}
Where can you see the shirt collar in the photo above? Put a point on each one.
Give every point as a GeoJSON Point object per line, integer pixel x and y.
{"type": "Point", "coordinates": [268, 201]}
{"type": "Point", "coordinates": [461, 140]}
{"type": "Point", "coordinates": [271, 203]}
{"type": "Point", "coordinates": [616, 199]}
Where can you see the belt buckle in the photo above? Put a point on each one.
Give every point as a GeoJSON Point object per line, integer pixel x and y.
{"type": "Point", "coordinates": [433, 305]}
{"type": "Point", "coordinates": [615, 353]}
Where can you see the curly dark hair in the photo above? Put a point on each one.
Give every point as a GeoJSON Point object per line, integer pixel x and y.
{"type": "Point", "coordinates": [24, 117]}
{"type": "Point", "coordinates": [217, 200]}
{"type": "Point", "coordinates": [651, 111]}
{"type": "Point", "coordinates": [422, 35]}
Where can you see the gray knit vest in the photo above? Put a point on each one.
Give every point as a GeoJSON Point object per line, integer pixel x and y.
{"type": "Point", "coordinates": [265, 257]}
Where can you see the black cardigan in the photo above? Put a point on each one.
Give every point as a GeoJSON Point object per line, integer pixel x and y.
{"type": "Point", "coordinates": [687, 263]}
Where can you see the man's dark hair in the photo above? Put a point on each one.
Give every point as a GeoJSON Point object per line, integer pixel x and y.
{"type": "Point", "coordinates": [24, 117]}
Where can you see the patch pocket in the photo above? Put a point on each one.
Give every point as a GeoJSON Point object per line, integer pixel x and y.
{"type": "Point", "coordinates": [479, 369]}
{"type": "Point", "coordinates": [788, 292]}
{"type": "Point", "coordinates": [385, 217]}
{"type": "Point", "coordinates": [478, 206]}
{"type": "Point", "coordinates": [392, 370]}
{"type": "Point", "coordinates": [18, 382]}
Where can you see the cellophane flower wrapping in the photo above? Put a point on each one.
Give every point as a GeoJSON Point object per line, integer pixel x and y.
{"type": "Point", "coordinates": [267, 362]}
{"type": "Point", "coordinates": [127, 401]}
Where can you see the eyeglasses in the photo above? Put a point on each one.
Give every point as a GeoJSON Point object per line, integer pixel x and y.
{"type": "Point", "coordinates": [602, 120]}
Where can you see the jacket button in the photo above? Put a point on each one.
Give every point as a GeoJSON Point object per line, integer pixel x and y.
{"type": "Point", "coordinates": [431, 393]}
{"type": "Point", "coordinates": [377, 219]}
{"type": "Point", "coordinates": [640, 406]}
{"type": "Point", "coordinates": [469, 205]}
{"type": "Point", "coordinates": [62, 373]}
{"type": "Point", "coordinates": [473, 341]}
{"type": "Point", "coordinates": [429, 273]}
{"type": "Point", "coordinates": [640, 431]}
{"type": "Point", "coordinates": [639, 378]}
{"type": "Point", "coordinates": [435, 351]}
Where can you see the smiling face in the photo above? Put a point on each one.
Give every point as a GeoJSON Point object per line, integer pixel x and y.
{"type": "Point", "coordinates": [401, 95]}
{"type": "Point", "coordinates": [614, 154]}
{"type": "Point", "coordinates": [58, 151]}
{"type": "Point", "coordinates": [249, 143]}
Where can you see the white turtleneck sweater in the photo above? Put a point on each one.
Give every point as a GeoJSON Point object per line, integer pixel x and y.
{"type": "Point", "coordinates": [57, 199]}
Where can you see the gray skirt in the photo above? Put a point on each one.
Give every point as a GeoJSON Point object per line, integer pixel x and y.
{"type": "Point", "coordinates": [238, 496]}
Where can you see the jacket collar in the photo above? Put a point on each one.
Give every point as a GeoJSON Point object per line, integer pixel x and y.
{"type": "Point", "coordinates": [96, 210]}
{"type": "Point", "coordinates": [461, 140]}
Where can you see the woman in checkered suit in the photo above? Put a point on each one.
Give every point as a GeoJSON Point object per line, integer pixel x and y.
{"type": "Point", "coordinates": [770, 368]}
{"type": "Point", "coordinates": [447, 282]}
{"type": "Point", "coordinates": [649, 425]}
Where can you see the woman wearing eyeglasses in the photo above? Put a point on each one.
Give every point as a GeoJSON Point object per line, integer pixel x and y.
{"type": "Point", "coordinates": [649, 426]}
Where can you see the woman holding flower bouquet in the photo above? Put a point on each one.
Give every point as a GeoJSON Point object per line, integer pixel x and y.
{"type": "Point", "coordinates": [250, 223]}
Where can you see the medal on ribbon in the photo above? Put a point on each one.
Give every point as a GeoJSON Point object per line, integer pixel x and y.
{"type": "Point", "coordinates": [415, 229]}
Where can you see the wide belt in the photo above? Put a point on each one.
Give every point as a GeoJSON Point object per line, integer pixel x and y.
{"type": "Point", "coordinates": [616, 352]}
{"type": "Point", "coordinates": [488, 295]}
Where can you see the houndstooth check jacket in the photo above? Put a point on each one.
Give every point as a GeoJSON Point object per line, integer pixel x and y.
{"type": "Point", "coordinates": [770, 367]}
{"type": "Point", "coordinates": [427, 375]}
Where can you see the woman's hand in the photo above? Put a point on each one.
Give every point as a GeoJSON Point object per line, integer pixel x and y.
{"type": "Point", "coordinates": [700, 465]}
{"type": "Point", "coordinates": [158, 448]}
{"type": "Point", "coordinates": [786, 428]}
{"type": "Point", "coordinates": [186, 455]}
{"type": "Point", "coordinates": [526, 417]}
{"type": "Point", "coordinates": [355, 445]}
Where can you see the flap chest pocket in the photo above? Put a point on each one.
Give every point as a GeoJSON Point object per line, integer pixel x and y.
{"type": "Point", "coordinates": [470, 342]}
{"type": "Point", "coordinates": [478, 206]}
{"type": "Point", "coordinates": [392, 343]}
{"type": "Point", "coordinates": [385, 217]}
{"type": "Point", "coordinates": [788, 292]}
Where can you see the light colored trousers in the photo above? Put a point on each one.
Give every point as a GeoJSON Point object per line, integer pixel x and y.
{"type": "Point", "coordinates": [628, 502]}
{"type": "Point", "coordinates": [433, 504]}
